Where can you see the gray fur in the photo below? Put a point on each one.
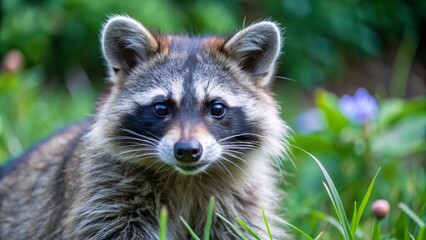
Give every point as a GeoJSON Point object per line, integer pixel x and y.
{"type": "Point", "coordinates": [86, 182]}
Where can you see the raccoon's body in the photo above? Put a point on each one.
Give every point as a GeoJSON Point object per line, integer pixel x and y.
{"type": "Point", "coordinates": [185, 119]}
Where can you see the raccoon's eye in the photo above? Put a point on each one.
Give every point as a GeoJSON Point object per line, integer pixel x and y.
{"type": "Point", "coordinates": [161, 109]}
{"type": "Point", "coordinates": [217, 110]}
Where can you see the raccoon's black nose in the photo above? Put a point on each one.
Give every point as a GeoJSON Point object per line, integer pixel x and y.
{"type": "Point", "coordinates": [188, 150]}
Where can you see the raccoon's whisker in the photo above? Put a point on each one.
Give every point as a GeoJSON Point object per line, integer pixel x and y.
{"type": "Point", "coordinates": [134, 139]}
{"type": "Point", "coordinates": [243, 143]}
{"type": "Point", "coordinates": [138, 146]}
{"type": "Point", "coordinates": [162, 165]}
{"type": "Point", "coordinates": [236, 152]}
{"type": "Point", "coordinates": [143, 155]}
{"type": "Point", "coordinates": [222, 166]}
{"type": "Point", "coordinates": [132, 153]}
{"type": "Point", "coordinates": [134, 143]}
{"type": "Point", "coordinates": [235, 156]}
{"type": "Point", "coordinates": [244, 147]}
{"type": "Point", "coordinates": [285, 78]}
{"type": "Point", "coordinates": [149, 166]}
{"type": "Point", "coordinates": [153, 135]}
{"type": "Point", "coordinates": [156, 139]}
{"type": "Point", "coordinates": [227, 160]}
{"type": "Point", "coordinates": [242, 135]}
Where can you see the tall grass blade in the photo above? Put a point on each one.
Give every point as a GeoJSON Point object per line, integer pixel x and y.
{"type": "Point", "coordinates": [207, 227]}
{"type": "Point", "coordinates": [234, 228]}
{"type": "Point", "coordinates": [335, 196]}
{"type": "Point", "coordinates": [319, 235]}
{"type": "Point", "coordinates": [421, 233]}
{"type": "Point", "coordinates": [296, 228]}
{"type": "Point", "coordinates": [266, 224]}
{"type": "Point", "coordinates": [332, 200]}
{"type": "Point", "coordinates": [410, 213]}
{"type": "Point", "coordinates": [413, 216]}
{"type": "Point", "coordinates": [333, 221]}
{"type": "Point", "coordinates": [163, 223]}
{"type": "Point", "coordinates": [246, 227]}
{"type": "Point", "coordinates": [354, 219]}
{"type": "Point", "coordinates": [191, 232]}
{"type": "Point", "coordinates": [364, 203]}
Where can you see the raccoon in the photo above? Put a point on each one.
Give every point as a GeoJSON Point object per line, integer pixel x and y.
{"type": "Point", "coordinates": [186, 119]}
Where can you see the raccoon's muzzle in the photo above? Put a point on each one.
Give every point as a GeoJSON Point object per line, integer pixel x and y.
{"type": "Point", "coordinates": [188, 150]}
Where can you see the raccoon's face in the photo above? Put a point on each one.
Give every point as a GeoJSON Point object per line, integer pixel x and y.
{"type": "Point", "coordinates": [191, 105]}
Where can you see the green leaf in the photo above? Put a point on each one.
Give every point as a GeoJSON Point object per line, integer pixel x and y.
{"type": "Point", "coordinates": [236, 230]}
{"type": "Point", "coordinates": [364, 203]}
{"type": "Point", "coordinates": [354, 219]}
{"type": "Point", "coordinates": [330, 107]}
{"type": "Point", "coordinates": [319, 235]}
{"type": "Point", "coordinates": [410, 213]}
{"type": "Point", "coordinates": [402, 139]}
{"type": "Point", "coordinates": [333, 221]}
{"type": "Point", "coordinates": [246, 227]}
{"type": "Point", "coordinates": [296, 228]}
{"type": "Point", "coordinates": [163, 223]}
{"type": "Point", "coordinates": [191, 232]}
{"type": "Point", "coordinates": [209, 219]}
{"type": "Point", "coordinates": [266, 224]}
{"type": "Point", "coordinates": [335, 198]}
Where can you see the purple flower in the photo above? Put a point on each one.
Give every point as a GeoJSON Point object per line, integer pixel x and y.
{"type": "Point", "coordinates": [310, 121]}
{"type": "Point", "coordinates": [360, 108]}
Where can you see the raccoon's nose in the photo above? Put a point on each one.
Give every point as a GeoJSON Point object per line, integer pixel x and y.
{"type": "Point", "coordinates": [188, 150]}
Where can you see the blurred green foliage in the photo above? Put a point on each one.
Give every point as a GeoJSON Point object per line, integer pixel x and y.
{"type": "Point", "coordinates": [320, 34]}
{"type": "Point", "coordinates": [29, 111]}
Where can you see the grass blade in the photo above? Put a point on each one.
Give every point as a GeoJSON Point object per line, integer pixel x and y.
{"type": "Point", "coordinates": [236, 230]}
{"type": "Point", "coordinates": [296, 228]}
{"type": "Point", "coordinates": [266, 224]}
{"type": "Point", "coordinates": [246, 227]}
{"type": "Point", "coordinates": [191, 232]}
{"type": "Point", "coordinates": [354, 219]}
{"type": "Point", "coordinates": [163, 223]}
{"type": "Point", "coordinates": [333, 221]}
{"type": "Point", "coordinates": [319, 235]}
{"type": "Point", "coordinates": [364, 203]}
{"type": "Point", "coordinates": [332, 200]}
{"type": "Point", "coordinates": [410, 213]}
{"type": "Point", "coordinates": [334, 195]}
{"type": "Point", "coordinates": [209, 219]}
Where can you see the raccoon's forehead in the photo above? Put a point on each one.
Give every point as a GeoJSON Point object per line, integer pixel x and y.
{"type": "Point", "coordinates": [187, 72]}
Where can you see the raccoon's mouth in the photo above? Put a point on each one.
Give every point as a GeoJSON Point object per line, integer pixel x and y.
{"type": "Point", "coordinates": [191, 169]}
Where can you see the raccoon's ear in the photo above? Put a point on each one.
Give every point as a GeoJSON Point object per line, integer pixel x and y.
{"type": "Point", "coordinates": [126, 42]}
{"type": "Point", "coordinates": [256, 48]}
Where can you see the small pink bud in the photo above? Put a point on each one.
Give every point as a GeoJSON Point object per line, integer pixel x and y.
{"type": "Point", "coordinates": [13, 61]}
{"type": "Point", "coordinates": [380, 208]}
